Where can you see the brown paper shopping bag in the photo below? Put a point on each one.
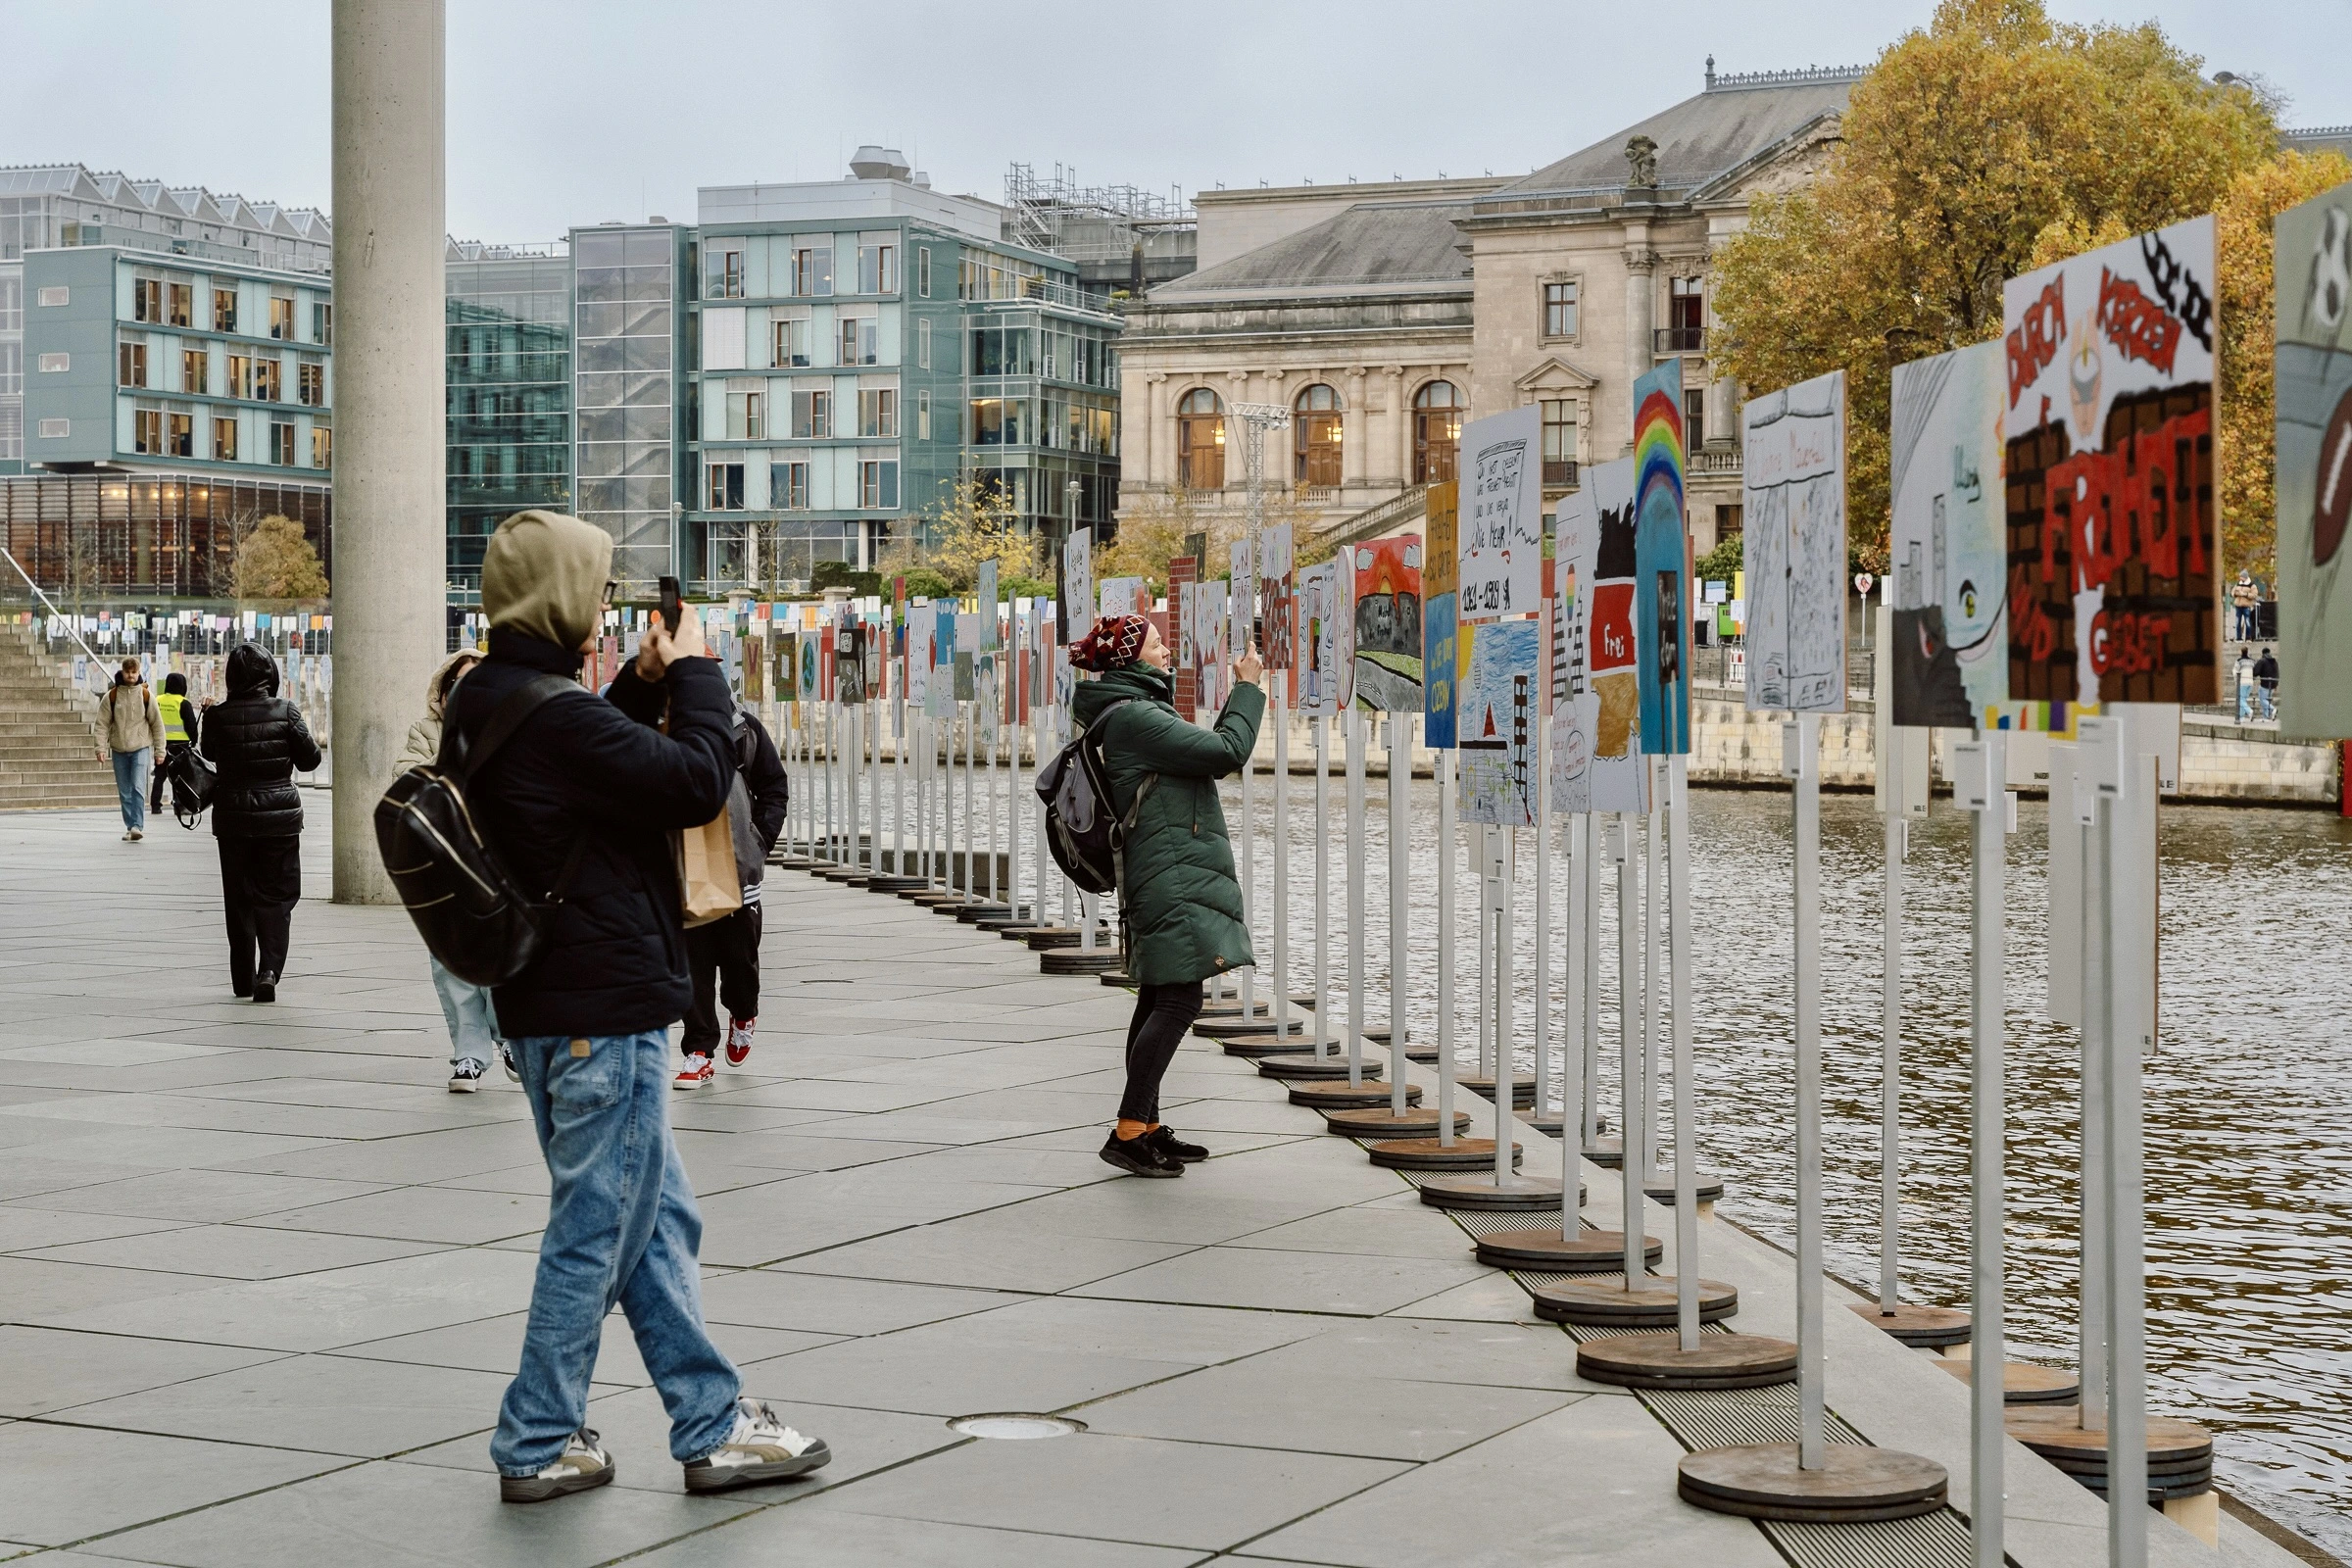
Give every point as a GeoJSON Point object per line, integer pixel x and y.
{"type": "Point", "coordinates": [709, 885]}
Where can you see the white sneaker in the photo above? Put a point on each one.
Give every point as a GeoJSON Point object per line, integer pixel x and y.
{"type": "Point", "coordinates": [761, 1449]}
{"type": "Point", "coordinates": [582, 1465]}
{"type": "Point", "coordinates": [135, 835]}
{"type": "Point", "coordinates": [696, 1072]}
{"type": "Point", "coordinates": [465, 1077]}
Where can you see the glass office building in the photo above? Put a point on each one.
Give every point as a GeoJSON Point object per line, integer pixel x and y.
{"type": "Point", "coordinates": [510, 391]}
{"type": "Point", "coordinates": [629, 445]}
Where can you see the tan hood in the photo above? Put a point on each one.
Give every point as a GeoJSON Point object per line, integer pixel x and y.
{"type": "Point", "coordinates": [432, 688]}
{"type": "Point", "coordinates": [544, 574]}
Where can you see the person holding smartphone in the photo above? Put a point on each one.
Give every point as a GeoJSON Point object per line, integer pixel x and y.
{"type": "Point", "coordinates": [582, 801]}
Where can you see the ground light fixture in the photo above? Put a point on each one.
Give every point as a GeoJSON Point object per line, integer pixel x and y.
{"type": "Point", "coordinates": [1014, 1426]}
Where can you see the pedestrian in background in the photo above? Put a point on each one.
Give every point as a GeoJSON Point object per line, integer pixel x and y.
{"type": "Point", "coordinates": [256, 740]}
{"type": "Point", "coordinates": [180, 734]}
{"type": "Point", "coordinates": [2266, 683]}
{"type": "Point", "coordinates": [134, 736]}
{"type": "Point", "coordinates": [583, 803]}
{"type": "Point", "coordinates": [466, 1007]}
{"type": "Point", "coordinates": [2243, 598]}
{"type": "Point", "coordinates": [1179, 904]}
{"type": "Point", "coordinates": [724, 953]}
{"type": "Point", "coordinates": [2242, 677]}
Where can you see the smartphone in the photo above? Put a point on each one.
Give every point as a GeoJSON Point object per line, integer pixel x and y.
{"type": "Point", "coordinates": [671, 607]}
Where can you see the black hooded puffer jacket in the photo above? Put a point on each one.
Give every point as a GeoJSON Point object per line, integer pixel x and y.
{"type": "Point", "coordinates": [256, 740]}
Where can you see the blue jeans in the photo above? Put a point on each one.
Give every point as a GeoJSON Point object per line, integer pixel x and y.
{"type": "Point", "coordinates": [621, 1227]}
{"type": "Point", "coordinates": [130, 783]}
{"type": "Point", "coordinates": [472, 1026]}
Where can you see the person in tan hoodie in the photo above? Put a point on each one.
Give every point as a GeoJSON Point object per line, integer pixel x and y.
{"type": "Point", "coordinates": [134, 736]}
{"type": "Point", "coordinates": [473, 1035]}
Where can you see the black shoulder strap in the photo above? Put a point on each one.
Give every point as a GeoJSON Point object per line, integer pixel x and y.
{"type": "Point", "coordinates": [506, 719]}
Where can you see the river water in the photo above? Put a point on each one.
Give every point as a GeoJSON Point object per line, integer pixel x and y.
{"type": "Point", "coordinates": [2248, 1112]}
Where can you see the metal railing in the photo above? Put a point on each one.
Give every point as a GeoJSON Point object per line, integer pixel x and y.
{"type": "Point", "coordinates": [58, 616]}
{"type": "Point", "coordinates": [1559, 473]}
{"type": "Point", "coordinates": [1678, 339]}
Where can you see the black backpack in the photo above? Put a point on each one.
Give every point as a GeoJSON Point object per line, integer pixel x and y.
{"type": "Point", "coordinates": [482, 927]}
{"type": "Point", "coordinates": [1082, 830]}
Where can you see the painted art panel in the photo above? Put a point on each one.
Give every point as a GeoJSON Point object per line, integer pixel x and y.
{"type": "Point", "coordinates": [1214, 636]}
{"type": "Point", "coordinates": [1599, 724]}
{"type": "Point", "coordinates": [1077, 595]}
{"type": "Point", "coordinates": [1387, 624]}
{"type": "Point", "coordinates": [1502, 531]}
{"type": "Point", "coordinates": [1241, 609]}
{"type": "Point", "coordinates": [1661, 555]}
{"type": "Point", "coordinates": [2314, 268]}
{"type": "Point", "coordinates": [921, 627]}
{"type": "Point", "coordinates": [1275, 586]}
{"type": "Point", "coordinates": [1793, 550]}
{"type": "Point", "coordinates": [1439, 565]}
{"type": "Point", "coordinates": [2108, 479]}
{"type": "Point", "coordinates": [1120, 596]}
{"type": "Point", "coordinates": [985, 590]}
{"type": "Point", "coordinates": [1948, 542]}
{"type": "Point", "coordinates": [1497, 669]}
{"type": "Point", "coordinates": [940, 699]}
{"type": "Point", "coordinates": [1186, 609]}
{"type": "Point", "coordinates": [1320, 616]}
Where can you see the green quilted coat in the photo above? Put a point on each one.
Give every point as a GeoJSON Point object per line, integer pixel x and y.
{"type": "Point", "coordinates": [1179, 903]}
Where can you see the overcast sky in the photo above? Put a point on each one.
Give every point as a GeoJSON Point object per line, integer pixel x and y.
{"type": "Point", "coordinates": [566, 112]}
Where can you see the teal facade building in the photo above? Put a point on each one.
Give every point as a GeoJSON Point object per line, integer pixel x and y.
{"type": "Point", "coordinates": [510, 387]}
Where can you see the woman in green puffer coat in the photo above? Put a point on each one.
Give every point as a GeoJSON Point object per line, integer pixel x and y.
{"type": "Point", "coordinates": [1180, 904]}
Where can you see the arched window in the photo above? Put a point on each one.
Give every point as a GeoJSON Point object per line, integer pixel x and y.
{"type": "Point", "coordinates": [1437, 432]}
{"type": "Point", "coordinates": [1315, 436]}
{"type": "Point", "coordinates": [1200, 441]}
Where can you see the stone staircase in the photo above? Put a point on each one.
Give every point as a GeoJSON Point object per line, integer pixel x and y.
{"type": "Point", "coordinates": [51, 753]}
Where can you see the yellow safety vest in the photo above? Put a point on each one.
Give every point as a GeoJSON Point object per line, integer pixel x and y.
{"type": "Point", "coordinates": [172, 706]}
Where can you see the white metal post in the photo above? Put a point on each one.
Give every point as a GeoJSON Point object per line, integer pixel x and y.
{"type": "Point", "coordinates": [1485, 901]}
{"type": "Point", "coordinates": [1446, 850]}
{"type": "Point", "coordinates": [1322, 735]}
{"type": "Point", "coordinates": [1501, 878]}
{"type": "Point", "coordinates": [1891, 788]}
{"type": "Point", "coordinates": [1280, 680]}
{"type": "Point", "coordinates": [1986, 1163]}
{"type": "Point", "coordinates": [1356, 740]}
{"type": "Point", "coordinates": [1686, 1121]}
{"type": "Point", "coordinates": [2132, 871]}
{"type": "Point", "coordinates": [1810, 1361]}
{"type": "Point", "coordinates": [1542, 977]}
{"type": "Point", "coordinates": [1630, 932]}
{"type": "Point", "coordinates": [1590, 844]}
{"type": "Point", "coordinates": [1654, 967]}
{"type": "Point", "coordinates": [1248, 840]}
{"type": "Point", "coordinates": [1577, 1041]}
{"type": "Point", "coordinates": [1399, 896]}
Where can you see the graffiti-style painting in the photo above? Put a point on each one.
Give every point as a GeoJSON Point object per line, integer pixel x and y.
{"type": "Point", "coordinates": [1320, 613]}
{"type": "Point", "coordinates": [2107, 425]}
{"type": "Point", "coordinates": [1438, 565]}
{"type": "Point", "coordinates": [1597, 719]}
{"type": "Point", "coordinates": [2314, 266]}
{"type": "Point", "coordinates": [1496, 707]}
{"type": "Point", "coordinates": [1240, 607]}
{"type": "Point", "coordinates": [1076, 559]}
{"type": "Point", "coordinates": [1662, 637]}
{"type": "Point", "coordinates": [1212, 636]}
{"type": "Point", "coordinates": [1949, 571]}
{"type": "Point", "coordinates": [1275, 585]}
{"type": "Point", "coordinates": [1387, 624]}
{"type": "Point", "coordinates": [1502, 528]}
{"type": "Point", "coordinates": [1793, 546]}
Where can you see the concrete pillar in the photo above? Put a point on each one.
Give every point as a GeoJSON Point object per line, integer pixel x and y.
{"type": "Point", "coordinates": [391, 435]}
{"type": "Point", "coordinates": [1640, 315]}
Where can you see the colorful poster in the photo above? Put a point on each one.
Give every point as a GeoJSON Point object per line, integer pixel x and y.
{"type": "Point", "coordinates": [1495, 669]}
{"type": "Point", "coordinates": [1439, 562]}
{"type": "Point", "coordinates": [1502, 540]}
{"type": "Point", "coordinates": [938, 700]}
{"type": "Point", "coordinates": [1214, 636]}
{"type": "Point", "coordinates": [1950, 642]}
{"type": "Point", "coordinates": [1186, 609]}
{"type": "Point", "coordinates": [1596, 711]}
{"type": "Point", "coordinates": [1241, 601]}
{"type": "Point", "coordinates": [811, 652]}
{"type": "Point", "coordinates": [921, 629]}
{"type": "Point", "coordinates": [848, 675]}
{"type": "Point", "coordinates": [985, 590]}
{"type": "Point", "coordinates": [1077, 586]}
{"type": "Point", "coordinates": [1321, 637]}
{"type": "Point", "coordinates": [1274, 590]}
{"type": "Point", "coordinates": [1387, 624]}
{"type": "Point", "coordinates": [785, 678]}
{"type": "Point", "coordinates": [2108, 476]}
{"type": "Point", "coordinates": [1792, 545]}
{"type": "Point", "coordinates": [1661, 558]}
{"type": "Point", "coordinates": [1123, 596]}
{"type": "Point", "coordinates": [2314, 268]}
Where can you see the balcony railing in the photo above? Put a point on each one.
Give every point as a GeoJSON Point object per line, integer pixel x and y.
{"type": "Point", "coordinates": [1560, 473]}
{"type": "Point", "coordinates": [1678, 339]}
{"type": "Point", "coordinates": [1318, 495]}
{"type": "Point", "coordinates": [1723, 462]}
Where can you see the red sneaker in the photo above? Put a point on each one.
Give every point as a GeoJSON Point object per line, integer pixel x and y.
{"type": "Point", "coordinates": [696, 1072]}
{"type": "Point", "coordinates": [739, 1040]}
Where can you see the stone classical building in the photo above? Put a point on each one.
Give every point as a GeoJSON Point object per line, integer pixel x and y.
{"type": "Point", "coordinates": [1384, 316]}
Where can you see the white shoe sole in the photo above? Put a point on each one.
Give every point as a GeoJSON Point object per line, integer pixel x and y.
{"type": "Point", "coordinates": [463, 1085]}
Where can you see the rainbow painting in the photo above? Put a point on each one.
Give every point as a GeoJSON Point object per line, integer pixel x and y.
{"type": "Point", "coordinates": [1661, 596]}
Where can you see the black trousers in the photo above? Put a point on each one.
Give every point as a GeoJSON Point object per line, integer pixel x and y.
{"type": "Point", "coordinates": [160, 784]}
{"type": "Point", "coordinates": [725, 959]}
{"type": "Point", "coordinates": [260, 881]}
{"type": "Point", "coordinates": [1163, 1014]}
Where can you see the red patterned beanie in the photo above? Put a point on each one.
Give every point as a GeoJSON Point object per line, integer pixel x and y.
{"type": "Point", "coordinates": [1116, 642]}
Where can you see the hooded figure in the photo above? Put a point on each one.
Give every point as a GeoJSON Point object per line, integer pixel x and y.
{"type": "Point", "coordinates": [424, 735]}
{"type": "Point", "coordinates": [257, 740]}
{"type": "Point", "coordinates": [581, 802]}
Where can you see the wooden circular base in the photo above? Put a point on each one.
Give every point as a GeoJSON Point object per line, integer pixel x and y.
{"type": "Point", "coordinates": [1427, 1055]}
{"type": "Point", "coordinates": [2023, 1382]}
{"type": "Point", "coordinates": [1246, 1028]}
{"type": "Point", "coordinates": [893, 883]}
{"type": "Point", "coordinates": [1257, 1046]}
{"type": "Point", "coordinates": [1854, 1485]}
{"type": "Point", "coordinates": [982, 910]}
{"type": "Point", "coordinates": [1378, 1121]}
{"type": "Point", "coordinates": [1050, 936]}
{"type": "Point", "coordinates": [838, 873]}
{"type": "Point", "coordinates": [1427, 1153]}
{"type": "Point", "coordinates": [2055, 1432]}
{"type": "Point", "coordinates": [1066, 960]}
{"type": "Point", "coordinates": [1523, 1090]}
{"type": "Point", "coordinates": [1552, 1126]}
{"type": "Point", "coordinates": [1306, 1064]}
{"type": "Point", "coordinates": [1117, 977]}
{"type": "Point", "coordinates": [791, 862]}
{"type": "Point", "coordinates": [1660, 1185]}
{"type": "Point", "coordinates": [1379, 1036]}
{"type": "Point", "coordinates": [1923, 1327]}
{"type": "Point", "coordinates": [1659, 1361]}
{"type": "Point", "coordinates": [1606, 1152]}
{"type": "Point", "coordinates": [1315, 1094]}
{"type": "Point", "coordinates": [1521, 1195]}
{"type": "Point", "coordinates": [1541, 1247]}
{"type": "Point", "coordinates": [999, 924]}
{"type": "Point", "coordinates": [1651, 1305]}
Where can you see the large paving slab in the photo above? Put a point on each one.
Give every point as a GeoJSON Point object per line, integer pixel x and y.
{"type": "Point", "coordinates": [263, 1280]}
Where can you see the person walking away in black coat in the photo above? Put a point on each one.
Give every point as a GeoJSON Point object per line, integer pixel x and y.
{"type": "Point", "coordinates": [135, 739]}
{"type": "Point", "coordinates": [180, 734]}
{"type": "Point", "coordinates": [583, 804]}
{"type": "Point", "coordinates": [2266, 683]}
{"type": "Point", "coordinates": [255, 741]}
{"type": "Point", "coordinates": [726, 952]}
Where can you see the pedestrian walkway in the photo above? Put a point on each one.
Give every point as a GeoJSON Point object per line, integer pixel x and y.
{"type": "Point", "coordinates": [261, 1281]}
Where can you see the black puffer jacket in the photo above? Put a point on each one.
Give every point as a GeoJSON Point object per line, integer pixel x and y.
{"type": "Point", "coordinates": [256, 740]}
{"type": "Point", "coordinates": [597, 773]}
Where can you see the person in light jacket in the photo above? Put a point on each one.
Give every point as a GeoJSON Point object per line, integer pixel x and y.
{"type": "Point", "coordinates": [466, 1007]}
{"type": "Point", "coordinates": [1179, 904]}
{"type": "Point", "coordinates": [134, 738]}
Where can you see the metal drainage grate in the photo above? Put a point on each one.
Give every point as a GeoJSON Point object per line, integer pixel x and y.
{"type": "Point", "coordinates": [1014, 1425]}
{"type": "Point", "coordinates": [1937, 1539]}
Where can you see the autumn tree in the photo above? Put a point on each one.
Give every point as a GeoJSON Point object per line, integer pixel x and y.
{"type": "Point", "coordinates": [1964, 146]}
{"type": "Point", "coordinates": [275, 562]}
{"type": "Point", "coordinates": [974, 523]}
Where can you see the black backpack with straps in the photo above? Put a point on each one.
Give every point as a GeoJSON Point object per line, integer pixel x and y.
{"type": "Point", "coordinates": [1082, 829]}
{"type": "Point", "coordinates": [473, 915]}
